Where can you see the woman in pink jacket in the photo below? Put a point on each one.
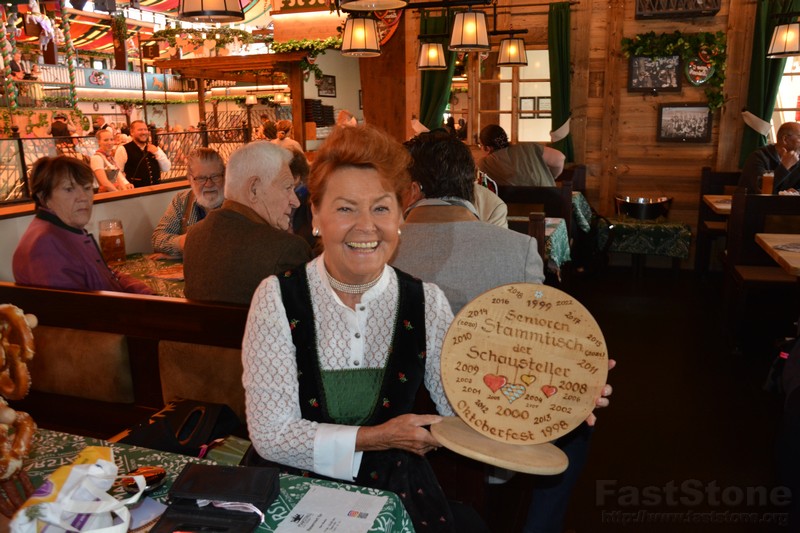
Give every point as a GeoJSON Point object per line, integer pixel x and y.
{"type": "Point", "coordinates": [56, 251]}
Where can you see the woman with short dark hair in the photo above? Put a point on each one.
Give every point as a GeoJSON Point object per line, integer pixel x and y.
{"type": "Point", "coordinates": [56, 250]}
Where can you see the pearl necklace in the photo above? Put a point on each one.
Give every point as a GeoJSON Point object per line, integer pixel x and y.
{"type": "Point", "coordinates": [351, 289]}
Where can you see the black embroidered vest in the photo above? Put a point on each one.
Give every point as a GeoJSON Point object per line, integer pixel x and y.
{"type": "Point", "coordinates": [406, 474]}
{"type": "Point", "coordinates": [142, 168]}
{"type": "Point", "coordinates": [405, 366]}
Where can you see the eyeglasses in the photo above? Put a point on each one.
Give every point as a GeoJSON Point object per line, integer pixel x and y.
{"type": "Point", "coordinates": [202, 180]}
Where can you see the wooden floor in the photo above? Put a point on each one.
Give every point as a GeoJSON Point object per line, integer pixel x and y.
{"type": "Point", "coordinates": [688, 421]}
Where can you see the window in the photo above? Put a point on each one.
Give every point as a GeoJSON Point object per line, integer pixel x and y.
{"type": "Point", "coordinates": [787, 104]}
{"type": "Point", "coordinates": [519, 99]}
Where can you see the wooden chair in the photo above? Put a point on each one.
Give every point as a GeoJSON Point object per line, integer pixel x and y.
{"type": "Point", "coordinates": [747, 266]}
{"type": "Point", "coordinates": [555, 201]}
{"type": "Point", "coordinates": [710, 225]}
{"type": "Point", "coordinates": [576, 175]}
{"type": "Point", "coordinates": [536, 227]}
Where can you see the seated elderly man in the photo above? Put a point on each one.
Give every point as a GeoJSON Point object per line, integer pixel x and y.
{"type": "Point", "coordinates": [247, 239]}
{"type": "Point", "coordinates": [206, 175]}
{"type": "Point", "coordinates": [444, 242]}
{"type": "Point", "coordinates": [525, 163]}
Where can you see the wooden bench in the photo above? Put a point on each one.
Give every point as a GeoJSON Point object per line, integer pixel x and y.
{"type": "Point", "coordinates": [162, 347]}
{"type": "Point", "coordinates": [747, 266]}
{"type": "Point", "coordinates": [710, 225]}
{"type": "Point", "coordinates": [158, 348]}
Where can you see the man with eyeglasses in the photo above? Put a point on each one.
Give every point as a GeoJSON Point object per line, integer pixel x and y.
{"type": "Point", "coordinates": [206, 175]}
{"type": "Point", "coordinates": [248, 239]}
{"type": "Point", "coordinates": [782, 159]}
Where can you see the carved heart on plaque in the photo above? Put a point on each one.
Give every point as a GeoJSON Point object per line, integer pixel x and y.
{"type": "Point", "coordinates": [513, 392]}
{"type": "Point", "coordinates": [527, 379]}
{"type": "Point", "coordinates": [494, 382]}
{"type": "Point", "coordinates": [549, 390]}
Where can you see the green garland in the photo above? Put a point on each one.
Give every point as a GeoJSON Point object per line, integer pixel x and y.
{"type": "Point", "coordinates": [138, 101]}
{"type": "Point", "coordinates": [687, 46]}
{"type": "Point", "coordinates": [44, 120]}
{"type": "Point", "coordinates": [119, 27]}
{"type": "Point", "coordinates": [313, 48]}
{"type": "Point", "coordinates": [226, 36]}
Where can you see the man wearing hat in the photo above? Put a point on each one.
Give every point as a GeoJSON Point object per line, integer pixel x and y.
{"type": "Point", "coordinates": [61, 125]}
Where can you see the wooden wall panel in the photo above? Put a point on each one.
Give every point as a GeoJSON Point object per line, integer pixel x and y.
{"type": "Point", "coordinates": [384, 101]}
{"type": "Point", "coordinates": [618, 143]}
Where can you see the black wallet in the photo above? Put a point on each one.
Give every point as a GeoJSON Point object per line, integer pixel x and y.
{"type": "Point", "coordinates": [255, 485]}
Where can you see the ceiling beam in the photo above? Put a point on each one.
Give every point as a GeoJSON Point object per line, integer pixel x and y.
{"type": "Point", "coordinates": [225, 65]}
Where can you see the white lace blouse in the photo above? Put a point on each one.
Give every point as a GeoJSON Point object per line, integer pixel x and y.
{"type": "Point", "coordinates": [346, 339]}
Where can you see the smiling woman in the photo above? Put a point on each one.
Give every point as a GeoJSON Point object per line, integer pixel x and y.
{"type": "Point", "coordinates": [56, 250]}
{"type": "Point", "coordinates": [335, 352]}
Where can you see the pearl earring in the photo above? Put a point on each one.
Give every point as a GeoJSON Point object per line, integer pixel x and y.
{"type": "Point", "coordinates": [315, 232]}
{"type": "Point", "coordinates": [399, 232]}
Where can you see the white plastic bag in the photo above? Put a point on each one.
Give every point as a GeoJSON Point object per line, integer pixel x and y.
{"type": "Point", "coordinates": [75, 498]}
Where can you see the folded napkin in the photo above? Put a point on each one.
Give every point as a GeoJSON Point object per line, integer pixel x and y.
{"type": "Point", "coordinates": [788, 247]}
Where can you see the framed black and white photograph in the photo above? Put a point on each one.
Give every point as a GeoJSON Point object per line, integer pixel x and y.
{"type": "Point", "coordinates": [544, 104]}
{"type": "Point", "coordinates": [684, 123]}
{"type": "Point", "coordinates": [327, 87]}
{"type": "Point", "coordinates": [654, 74]}
{"type": "Point", "coordinates": [527, 107]}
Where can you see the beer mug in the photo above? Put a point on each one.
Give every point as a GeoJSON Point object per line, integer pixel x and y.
{"type": "Point", "coordinates": [767, 182]}
{"type": "Point", "coordinates": [112, 240]}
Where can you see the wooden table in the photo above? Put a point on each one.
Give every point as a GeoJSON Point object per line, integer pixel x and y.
{"type": "Point", "coordinates": [719, 203]}
{"type": "Point", "coordinates": [789, 260]}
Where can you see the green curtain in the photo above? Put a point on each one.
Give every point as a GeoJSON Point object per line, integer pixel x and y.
{"type": "Point", "coordinates": [765, 74]}
{"type": "Point", "coordinates": [435, 88]}
{"type": "Point", "coordinates": [558, 30]}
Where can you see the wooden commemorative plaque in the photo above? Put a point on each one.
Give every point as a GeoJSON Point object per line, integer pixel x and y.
{"type": "Point", "coordinates": [522, 364]}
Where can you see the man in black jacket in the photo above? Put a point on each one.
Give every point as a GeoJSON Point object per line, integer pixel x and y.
{"type": "Point", "coordinates": [781, 158]}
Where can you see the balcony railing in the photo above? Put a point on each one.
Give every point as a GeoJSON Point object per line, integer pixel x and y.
{"type": "Point", "coordinates": [118, 79]}
{"type": "Point", "coordinates": [17, 155]}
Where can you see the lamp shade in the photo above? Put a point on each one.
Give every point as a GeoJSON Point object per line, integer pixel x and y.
{"type": "Point", "coordinates": [251, 100]}
{"type": "Point", "coordinates": [431, 57]}
{"type": "Point", "coordinates": [469, 32]}
{"type": "Point", "coordinates": [371, 5]}
{"type": "Point", "coordinates": [210, 11]}
{"type": "Point", "coordinates": [785, 41]}
{"type": "Point", "coordinates": [360, 37]}
{"type": "Point", "coordinates": [512, 53]}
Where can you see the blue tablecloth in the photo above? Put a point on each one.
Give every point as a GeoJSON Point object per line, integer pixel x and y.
{"type": "Point", "coordinates": [581, 211]}
{"type": "Point", "coordinates": [647, 237]}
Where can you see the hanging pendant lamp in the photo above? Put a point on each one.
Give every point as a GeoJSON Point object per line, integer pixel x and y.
{"type": "Point", "coordinates": [431, 57]}
{"type": "Point", "coordinates": [361, 37]}
{"type": "Point", "coordinates": [469, 32]}
{"type": "Point", "coordinates": [785, 41]}
{"type": "Point", "coordinates": [210, 11]}
{"type": "Point", "coordinates": [512, 53]}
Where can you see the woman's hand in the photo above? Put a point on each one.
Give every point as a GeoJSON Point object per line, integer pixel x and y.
{"type": "Point", "coordinates": [603, 400]}
{"type": "Point", "coordinates": [405, 432]}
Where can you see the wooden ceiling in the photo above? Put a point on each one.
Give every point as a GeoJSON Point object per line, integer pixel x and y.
{"type": "Point", "coordinates": [253, 68]}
